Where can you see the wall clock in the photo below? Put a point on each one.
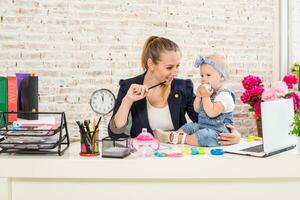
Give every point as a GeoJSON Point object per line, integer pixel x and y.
{"type": "Point", "coordinates": [102, 101]}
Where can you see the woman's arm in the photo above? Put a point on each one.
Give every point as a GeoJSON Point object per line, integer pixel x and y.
{"type": "Point", "coordinates": [190, 97]}
{"type": "Point", "coordinates": [121, 116]}
{"type": "Point", "coordinates": [126, 97]}
{"type": "Point", "coordinates": [135, 92]}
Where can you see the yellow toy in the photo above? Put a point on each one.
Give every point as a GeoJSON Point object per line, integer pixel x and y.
{"type": "Point", "coordinates": [251, 138]}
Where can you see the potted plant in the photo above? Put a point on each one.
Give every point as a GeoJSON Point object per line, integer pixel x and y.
{"type": "Point", "coordinates": [295, 129]}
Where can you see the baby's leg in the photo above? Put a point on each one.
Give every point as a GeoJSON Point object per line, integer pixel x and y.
{"type": "Point", "coordinates": [207, 137]}
{"type": "Point", "coordinates": [190, 140]}
{"type": "Point", "coordinates": [168, 136]}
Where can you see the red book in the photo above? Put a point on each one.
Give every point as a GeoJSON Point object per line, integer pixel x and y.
{"type": "Point", "coordinates": [12, 98]}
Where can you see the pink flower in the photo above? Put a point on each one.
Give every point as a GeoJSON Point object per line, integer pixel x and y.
{"type": "Point", "coordinates": [250, 81]}
{"type": "Point", "coordinates": [256, 91]}
{"type": "Point", "coordinates": [280, 88]}
{"type": "Point", "coordinates": [290, 80]}
{"type": "Point", "coordinates": [245, 97]}
{"type": "Point", "coordinates": [269, 95]}
{"type": "Point", "coordinates": [296, 100]}
{"type": "Point", "coordinates": [252, 96]}
{"type": "Point", "coordinates": [255, 94]}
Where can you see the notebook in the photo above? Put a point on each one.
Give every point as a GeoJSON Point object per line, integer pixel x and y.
{"type": "Point", "coordinates": [277, 117]}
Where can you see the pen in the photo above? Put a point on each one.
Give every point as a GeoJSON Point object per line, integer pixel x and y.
{"type": "Point", "coordinates": [81, 128]}
{"type": "Point", "coordinates": [156, 85]}
{"type": "Point", "coordinates": [97, 125]}
{"type": "Point", "coordinates": [86, 124]}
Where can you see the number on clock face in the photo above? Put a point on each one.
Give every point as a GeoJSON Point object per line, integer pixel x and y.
{"type": "Point", "coordinates": [102, 101]}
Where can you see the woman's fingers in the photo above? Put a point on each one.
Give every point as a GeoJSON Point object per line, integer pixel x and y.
{"type": "Point", "coordinates": [139, 90]}
{"type": "Point", "coordinates": [229, 138]}
{"type": "Point", "coordinates": [231, 128]}
{"type": "Point", "coordinates": [225, 143]}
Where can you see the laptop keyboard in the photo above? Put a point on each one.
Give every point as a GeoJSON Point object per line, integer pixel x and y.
{"type": "Point", "coordinates": [257, 148]}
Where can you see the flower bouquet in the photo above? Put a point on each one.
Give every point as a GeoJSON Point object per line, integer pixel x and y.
{"type": "Point", "coordinates": [255, 93]}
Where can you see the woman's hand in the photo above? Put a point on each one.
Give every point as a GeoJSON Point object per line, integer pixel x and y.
{"type": "Point", "coordinates": [229, 138]}
{"type": "Point", "coordinates": [136, 92]}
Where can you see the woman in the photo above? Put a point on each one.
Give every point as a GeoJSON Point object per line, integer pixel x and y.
{"type": "Point", "coordinates": [162, 107]}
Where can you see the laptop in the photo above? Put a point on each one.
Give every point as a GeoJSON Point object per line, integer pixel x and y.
{"type": "Point", "coordinates": [277, 117]}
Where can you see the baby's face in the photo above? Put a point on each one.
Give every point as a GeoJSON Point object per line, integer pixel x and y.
{"type": "Point", "coordinates": [211, 76]}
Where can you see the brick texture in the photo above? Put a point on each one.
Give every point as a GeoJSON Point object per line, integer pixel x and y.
{"type": "Point", "coordinates": [295, 31]}
{"type": "Point", "coordinates": [76, 47]}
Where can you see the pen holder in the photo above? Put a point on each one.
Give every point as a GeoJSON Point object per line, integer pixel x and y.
{"type": "Point", "coordinates": [89, 143]}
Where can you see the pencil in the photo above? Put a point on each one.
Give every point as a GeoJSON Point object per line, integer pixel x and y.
{"type": "Point", "coordinates": [156, 85]}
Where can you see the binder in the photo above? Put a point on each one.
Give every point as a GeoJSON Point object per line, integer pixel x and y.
{"type": "Point", "coordinates": [3, 98]}
{"type": "Point", "coordinates": [20, 77]}
{"type": "Point", "coordinates": [28, 98]}
{"type": "Point", "coordinates": [12, 98]}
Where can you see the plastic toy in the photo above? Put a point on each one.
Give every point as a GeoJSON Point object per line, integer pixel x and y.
{"type": "Point", "coordinates": [217, 152]}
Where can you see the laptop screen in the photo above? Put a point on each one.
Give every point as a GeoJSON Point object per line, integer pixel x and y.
{"type": "Point", "coordinates": [277, 117]}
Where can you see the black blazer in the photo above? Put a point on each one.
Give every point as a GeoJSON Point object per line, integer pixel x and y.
{"type": "Point", "coordinates": [180, 102]}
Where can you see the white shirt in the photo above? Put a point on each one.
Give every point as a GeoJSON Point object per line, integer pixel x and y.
{"type": "Point", "coordinates": [159, 118]}
{"type": "Point", "coordinates": [226, 99]}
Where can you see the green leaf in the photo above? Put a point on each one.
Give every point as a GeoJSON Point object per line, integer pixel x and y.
{"type": "Point", "coordinates": [295, 127]}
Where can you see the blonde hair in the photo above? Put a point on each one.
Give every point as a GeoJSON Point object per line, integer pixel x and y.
{"type": "Point", "coordinates": [220, 60]}
{"type": "Point", "coordinates": [153, 47]}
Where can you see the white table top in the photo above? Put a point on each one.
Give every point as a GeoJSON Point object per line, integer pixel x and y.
{"type": "Point", "coordinates": [72, 165]}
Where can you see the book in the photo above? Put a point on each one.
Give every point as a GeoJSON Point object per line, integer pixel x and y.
{"type": "Point", "coordinates": [28, 98]}
{"type": "Point", "coordinates": [11, 98]}
{"type": "Point", "coordinates": [3, 99]}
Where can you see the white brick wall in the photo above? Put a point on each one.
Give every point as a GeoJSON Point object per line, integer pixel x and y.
{"type": "Point", "coordinates": [79, 46]}
{"type": "Point", "coordinates": [295, 31]}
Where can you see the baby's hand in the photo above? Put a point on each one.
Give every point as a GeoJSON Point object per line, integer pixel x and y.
{"type": "Point", "coordinates": [203, 90]}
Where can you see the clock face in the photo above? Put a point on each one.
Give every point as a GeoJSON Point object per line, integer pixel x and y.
{"type": "Point", "coordinates": [102, 101]}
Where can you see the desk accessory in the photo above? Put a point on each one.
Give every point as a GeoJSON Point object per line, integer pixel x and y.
{"type": "Point", "coordinates": [35, 138]}
{"type": "Point", "coordinates": [89, 138]}
{"type": "Point", "coordinates": [115, 148]}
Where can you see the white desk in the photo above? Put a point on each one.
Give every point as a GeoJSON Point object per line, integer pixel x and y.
{"type": "Point", "coordinates": [37, 177]}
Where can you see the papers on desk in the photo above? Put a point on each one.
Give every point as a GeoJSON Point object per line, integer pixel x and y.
{"type": "Point", "coordinates": [29, 130]}
{"type": "Point", "coordinates": [29, 136]}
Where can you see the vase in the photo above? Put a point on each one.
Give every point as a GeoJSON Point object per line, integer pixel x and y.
{"type": "Point", "coordinates": [259, 128]}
